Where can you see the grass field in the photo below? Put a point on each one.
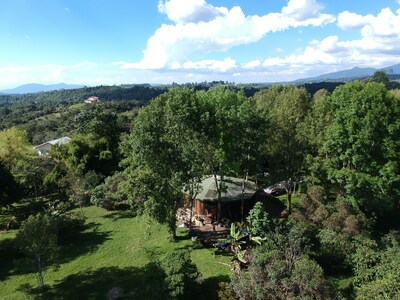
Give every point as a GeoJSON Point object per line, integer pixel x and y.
{"type": "Point", "coordinates": [114, 250]}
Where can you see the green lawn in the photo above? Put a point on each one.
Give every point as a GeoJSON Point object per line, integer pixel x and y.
{"type": "Point", "coordinates": [295, 198]}
{"type": "Point", "coordinates": [113, 251]}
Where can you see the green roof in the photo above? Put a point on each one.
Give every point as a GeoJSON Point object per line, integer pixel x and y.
{"type": "Point", "coordinates": [232, 189]}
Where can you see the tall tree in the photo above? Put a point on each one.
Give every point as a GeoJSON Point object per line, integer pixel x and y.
{"type": "Point", "coordinates": [285, 107]}
{"type": "Point", "coordinates": [233, 136]}
{"type": "Point", "coordinates": [164, 154]}
{"type": "Point", "coordinates": [381, 77]}
{"type": "Point", "coordinates": [361, 145]}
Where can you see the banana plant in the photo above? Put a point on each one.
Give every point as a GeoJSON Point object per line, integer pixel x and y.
{"type": "Point", "coordinates": [237, 236]}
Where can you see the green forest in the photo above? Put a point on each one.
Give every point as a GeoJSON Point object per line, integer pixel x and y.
{"type": "Point", "coordinates": [96, 218]}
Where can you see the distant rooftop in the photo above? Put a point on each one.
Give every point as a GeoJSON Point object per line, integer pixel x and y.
{"type": "Point", "coordinates": [59, 141]}
{"type": "Point", "coordinates": [92, 99]}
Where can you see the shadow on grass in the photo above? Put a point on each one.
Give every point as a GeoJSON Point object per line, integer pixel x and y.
{"type": "Point", "coordinates": [209, 287]}
{"type": "Point", "coordinates": [84, 242]}
{"type": "Point", "coordinates": [12, 262]}
{"type": "Point", "coordinates": [120, 214]}
{"type": "Point", "coordinates": [8, 256]}
{"type": "Point", "coordinates": [128, 283]}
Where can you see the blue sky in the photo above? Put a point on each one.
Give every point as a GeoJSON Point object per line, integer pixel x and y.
{"type": "Point", "coordinates": [95, 42]}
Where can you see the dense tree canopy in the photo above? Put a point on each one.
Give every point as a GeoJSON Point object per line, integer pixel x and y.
{"type": "Point", "coordinates": [360, 148]}
{"type": "Point", "coordinates": [342, 147]}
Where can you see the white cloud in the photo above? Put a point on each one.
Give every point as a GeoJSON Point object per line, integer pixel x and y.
{"type": "Point", "coordinates": [348, 20]}
{"type": "Point", "coordinates": [380, 34]}
{"type": "Point", "coordinates": [302, 10]}
{"type": "Point", "coordinates": [189, 11]}
{"type": "Point", "coordinates": [202, 28]}
{"type": "Point", "coordinates": [211, 65]}
{"type": "Point", "coordinates": [252, 64]}
{"type": "Point", "coordinates": [378, 46]}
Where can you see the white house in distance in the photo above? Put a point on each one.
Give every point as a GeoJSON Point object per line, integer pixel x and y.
{"type": "Point", "coordinates": [92, 100]}
{"type": "Point", "coordinates": [43, 148]}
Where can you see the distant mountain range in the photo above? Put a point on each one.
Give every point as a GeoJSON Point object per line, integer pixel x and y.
{"type": "Point", "coordinates": [352, 74]}
{"type": "Point", "coordinates": [341, 76]}
{"type": "Point", "coordinates": [35, 88]}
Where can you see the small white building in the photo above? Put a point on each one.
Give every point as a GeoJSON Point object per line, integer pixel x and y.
{"type": "Point", "coordinates": [92, 100]}
{"type": "Point", "coordinates": [43, 148]}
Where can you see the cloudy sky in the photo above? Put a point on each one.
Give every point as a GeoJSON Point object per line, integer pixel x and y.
{"type": "Point", "coordinates": [95, 42]}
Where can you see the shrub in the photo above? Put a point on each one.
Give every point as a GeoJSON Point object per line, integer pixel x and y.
{"type": "Point", "coordinates": [180, 273]}
{"type": "Point", "coordinates": [110, 195]}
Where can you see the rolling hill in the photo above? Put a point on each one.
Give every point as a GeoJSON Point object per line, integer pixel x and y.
{"type": "Point", "coordinates": [35, 88]}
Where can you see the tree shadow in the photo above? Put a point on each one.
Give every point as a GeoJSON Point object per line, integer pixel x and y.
{"type": "Point", "coordinates": [13, 262]}
{"type": "Point", "coordinates": [28, 206]}
{"type": "Point", "coordinates": [8, 257]}
{"type": "Point", "coordinates": [126, 283]}
{"type": "Point", "coordinates": [84, 242]}
{"type": "Point", "coordinates": [120, 214]}
{"type": "Point", "coordinates": [209, 287]}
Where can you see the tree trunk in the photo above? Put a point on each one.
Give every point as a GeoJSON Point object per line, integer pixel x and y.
{"type": "Point", "coordinates": [242, 209]}
{"type": "Point", "coordinates": [219, 207]}
{"type": "Point", "coordinates": [172, 229]}
{"type": "Point", "coordinates": [40, 272]}
{"type": "Point", "coordinates": [172, 234]}
{"type": "Point", "coordinates": [243, 190]}
{"type": "Point", "coordinates": [219, 201]}
{"type": "Point", "coordinates": [289, 190]}
{"type": "Point", "coordinates": [172, 222]}
{"type": "Point", "coordinates": [82, 214]}
{"type": "Point", "coordinates": [191, 212]}
{"type": "Point", "coordinates": [289, 201]}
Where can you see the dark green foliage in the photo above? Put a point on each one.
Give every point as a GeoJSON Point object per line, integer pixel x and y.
{"type": "Point", "coordinates": [377, 268]}
{"type": "Point", "coordinates": [9, 187]}
{"type": "Point", "coordinates": [357, 150]}
{"type": "Point", "coordinates": [112, 193]}
{"type": "Point", "coordinates": [29, 174]}
{"type": "Point", "coordinates": [180, 274]}
{"type": "Point", "coordinates": [80, 187]}
{"type": "Point", "coordinates": [364, 151]}
{"type": "Point", "coordinates": [225, 292]}
{"type": "Point", "coordinates": [281, 268]}
{"type": "Point", "coordinates": [380, 77]}
{"type": "Point", "coordinates": [334, 224]}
